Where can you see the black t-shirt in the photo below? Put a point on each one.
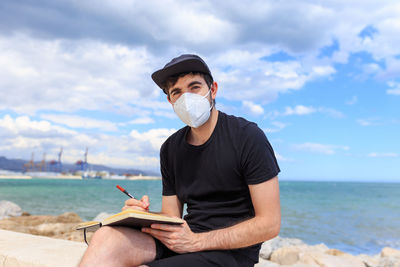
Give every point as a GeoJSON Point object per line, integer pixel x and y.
{"type": "Point", "coordinates": [213, 178]}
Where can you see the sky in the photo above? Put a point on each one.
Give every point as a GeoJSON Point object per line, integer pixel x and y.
{"type": "Point", "coordinates": [320, 78]}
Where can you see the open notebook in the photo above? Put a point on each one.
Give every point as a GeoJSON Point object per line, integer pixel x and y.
{"type": "Point", "coordinates": [131, 218]}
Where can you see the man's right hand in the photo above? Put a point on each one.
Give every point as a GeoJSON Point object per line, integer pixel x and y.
{"type": "Point", "coordinates": [136, 204]}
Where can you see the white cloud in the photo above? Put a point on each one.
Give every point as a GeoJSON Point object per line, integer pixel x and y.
{"type": "Point", "coordinates": [76, 63]}
{"type": "Point", "coordinates": [253, 108]}
{"type": "Point", "coordinates": [394, 88]}
{"type": "Point", "coordinates": [11, 128]}
{"type": "Point", "coordinates": [279, 157]}
{"type": "Point", "coordinates": [387, 23]}
{"type": "Point", "coordinates": [298, 28]}
{"type": "Point", "coordinates": [69, 75]}
{"type": "Point", "coordinates": [244, 74]}
{"type": "Point", "coordinates": [69, 68]}
{"type": "Point", "coordinates": [188, 23]}
{"type": "Point", "coordinates": [331, 112]}
{"type": "Point", "coordinates": [74, 121]}
{"type": "Point", "coordinates": [323, 70]}
{"type": "Point", "coordinates": [166, 114]}
{"type": "Point", "coordinates": [154, 136]}
{"type": "Point", "coordinates": [278, 126]}
{"type": "Point", "coordinates": [320, 148]}
{"type": "Point", "coordinates": [160, 24]}
{"type": "Point", "coordinates": [301, 110]}
{"type": "Point", "coordinates": [141, 120]}
{"type": "Point", "coordinates": [383, 155]}
{"type": "Point", "coordinates": [371, 68]}
{"type": "Point", "coordinates": [393, 91]}
{"type": "Point", "coordinates": [298, 110]}
{"type": "Point", "coordinates": [141, 162]}
{"type": "Point", "coordinates": [369, 122]}
{"type": "Point", "coordinates": [21, 136]}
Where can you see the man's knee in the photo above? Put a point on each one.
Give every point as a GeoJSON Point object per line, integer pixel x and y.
{"type": "Point", "coordinates": [103, 233]}
{"type": "Point", "coordinates": [122, 239]}
{"type": "Point", "coordinates": [110, 245]}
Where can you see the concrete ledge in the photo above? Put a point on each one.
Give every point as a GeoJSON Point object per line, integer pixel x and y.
{"type": "Point", "coordinates": [24, 250]}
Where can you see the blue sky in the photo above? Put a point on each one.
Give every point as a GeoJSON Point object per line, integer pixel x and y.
{"type": "Point", "coordinates": [322, 79]}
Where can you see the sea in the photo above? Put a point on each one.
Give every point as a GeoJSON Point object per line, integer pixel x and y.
{"type": "Point", "coordinates": [355, 217]}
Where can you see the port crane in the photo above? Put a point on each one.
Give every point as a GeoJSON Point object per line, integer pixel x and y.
{"type": "Point", "coordinates": [56, 165]}
{"type": "Point", "coordinates": [82, 164]}
{"type": "Point", "coordinates": [41, 166]}
{"type": "Point", "coordinates": [29, 166]}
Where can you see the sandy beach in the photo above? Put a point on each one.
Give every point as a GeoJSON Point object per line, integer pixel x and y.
{"type": "Point", "coordinates": [142, 177]}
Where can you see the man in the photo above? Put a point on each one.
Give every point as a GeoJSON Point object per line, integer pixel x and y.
{"type": "Point", "coordinates": [221, 166]}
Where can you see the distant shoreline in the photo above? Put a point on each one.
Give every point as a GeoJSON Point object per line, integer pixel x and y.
{"type": "Point", "coordinates": [75, 177]}
{"type": "Point", "coordinates": [141, 177]}
{"type": "Point", "coordinates": [16, 177]}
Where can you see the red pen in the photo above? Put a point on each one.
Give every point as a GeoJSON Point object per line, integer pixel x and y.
{"type": "Point", "coordinates": [124, 191]}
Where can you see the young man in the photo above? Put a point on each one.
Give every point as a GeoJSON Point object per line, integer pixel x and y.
{"type": "Point", "coordinates": [221, 166]}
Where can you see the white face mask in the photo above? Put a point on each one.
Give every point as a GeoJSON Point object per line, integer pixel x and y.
{"type": "Point", "coordinates": [193, 109]}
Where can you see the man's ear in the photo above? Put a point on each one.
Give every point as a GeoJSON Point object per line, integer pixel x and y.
{"type": "Point", "coordinates": [169, 100]}
{"type": "Point", "coordinates": [214, 89]}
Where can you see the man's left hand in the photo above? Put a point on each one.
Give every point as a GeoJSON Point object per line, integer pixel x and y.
{"type": "Point", "coordinates": [178, 238]}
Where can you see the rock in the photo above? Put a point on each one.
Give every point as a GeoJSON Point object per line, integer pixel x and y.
{"type": "Point", "coordinates": [389, 262]}
{"type": "Point", "coordinates": [101, 216]}
{"type": "Point", "coordinates": [390, 252]}
{"type": "Point", "coordinates": [335, 252]}
{"type": "Point", "coordinates": [291, 255]}
{"type": "Point", "coordinates": [9, 209]}
{"type": "Point", "coordinates": [389, 257]}
{"type": "Point", "coordinates": [68, 217]}
{"type": "Point", "coordinates": [266, 263]}
{"type": "Point", "coordinates": [327, 260]}
{"type": "Point", "coordinates": [287, 255]}
{"type": "Point", "coordinates": [320, 247]}
{"type": "Point", "coordinates": [278, 242]}
{"type": "Point", "coordinates": [52, 229]}
{"type": "Point", "coordinates": [303, 265]}
{"type": "Point", "coordinates": [369, 261]}
{"type": "Point", "coordinates": [23, 250]}
{"type": "Point", "coordinates": [61, 226]}
{"type": "Point", "coordinates": [318, 255]}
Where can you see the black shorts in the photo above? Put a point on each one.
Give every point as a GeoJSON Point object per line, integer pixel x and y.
{"type": "Point", "coordinates": [167, 258]}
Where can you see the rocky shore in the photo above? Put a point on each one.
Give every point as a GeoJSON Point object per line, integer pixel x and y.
{"type": "Point", "coordinates": [12, 218]}
{"type": "Point", "coordinates": [276, 252]}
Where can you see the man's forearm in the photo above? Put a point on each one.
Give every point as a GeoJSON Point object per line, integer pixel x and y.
{"type": "Point", "coordinates": [244, 234]}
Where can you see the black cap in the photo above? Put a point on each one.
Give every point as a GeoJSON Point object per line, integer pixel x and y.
{"type": "Point", "coordinates": [181, 64]}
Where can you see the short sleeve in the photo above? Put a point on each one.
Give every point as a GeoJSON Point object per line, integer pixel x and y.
{"type": "Point", "coordinates": [258, 160]}
{"type": "Point", "coordinates": [168, 182]}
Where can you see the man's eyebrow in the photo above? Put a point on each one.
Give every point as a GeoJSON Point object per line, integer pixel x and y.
{"type": "Point", "coordinates": [190, 85]}
{"type": "Point", "coordinates": [193, 83]}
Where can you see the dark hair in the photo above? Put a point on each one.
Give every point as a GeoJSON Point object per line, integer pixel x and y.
{"type": "Point", "coordinates": [171, 81]}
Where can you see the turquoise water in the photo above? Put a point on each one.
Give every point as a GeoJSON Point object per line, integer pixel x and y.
{"type": "Point", "coordinates": [353, 217]}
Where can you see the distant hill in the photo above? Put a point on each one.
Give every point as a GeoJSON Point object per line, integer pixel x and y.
{"type": "Point", "coordinates": [17, 165]}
